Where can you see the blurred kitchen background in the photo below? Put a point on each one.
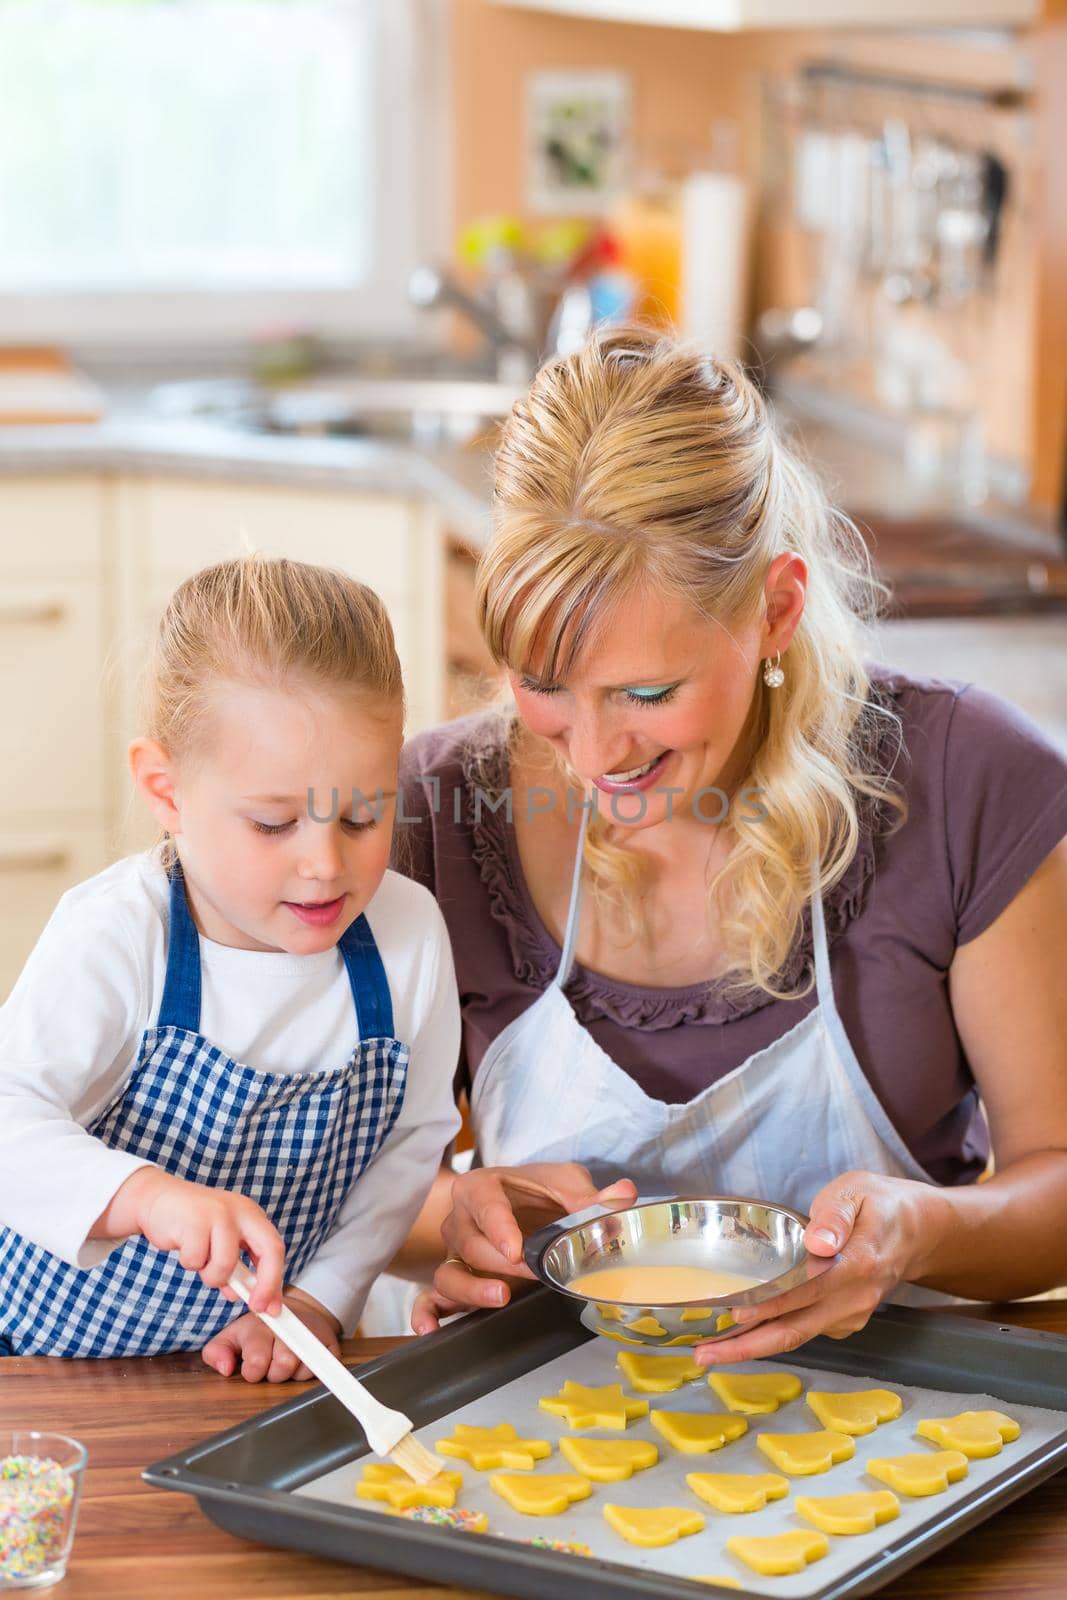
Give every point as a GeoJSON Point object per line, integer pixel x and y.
{"type": "Point", "coordinates": [271, 272]}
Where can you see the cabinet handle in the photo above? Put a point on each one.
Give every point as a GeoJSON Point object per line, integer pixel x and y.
{"type": "Point", "coordinates": [47, 612]}
{"type": "Point", "coordinates": [33, 860]}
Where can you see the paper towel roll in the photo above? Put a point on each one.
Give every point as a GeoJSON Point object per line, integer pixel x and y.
{"type": "Point", "coordinates": [715, 249]}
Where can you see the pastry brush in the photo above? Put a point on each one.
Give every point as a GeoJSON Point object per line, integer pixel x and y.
{"type": "Point", "coordinates": [388, 1432]}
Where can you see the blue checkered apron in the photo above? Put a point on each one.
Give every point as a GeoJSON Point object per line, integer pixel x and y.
{"type": "Point", "coordinates": [293, 1144]}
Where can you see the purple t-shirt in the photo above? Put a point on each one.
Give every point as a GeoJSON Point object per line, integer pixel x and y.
{"type": "Point", "coordinates": [987, 801]}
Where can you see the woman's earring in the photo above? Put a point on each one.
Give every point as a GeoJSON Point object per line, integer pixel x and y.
{"type": "Point", "coordinates": [773, 676]}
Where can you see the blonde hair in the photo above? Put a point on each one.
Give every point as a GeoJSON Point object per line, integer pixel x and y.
{"type": "Point", "coordinates": [638, 461]}
{"type": "Point", "coordinates": [269, 622]}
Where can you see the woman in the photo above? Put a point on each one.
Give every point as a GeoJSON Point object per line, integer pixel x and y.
{"type": "Point", "coordinates": [807, 947]}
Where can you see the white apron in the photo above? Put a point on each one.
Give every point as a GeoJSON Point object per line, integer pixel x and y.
{"type": "Point", "coordinates": [778, 1127]}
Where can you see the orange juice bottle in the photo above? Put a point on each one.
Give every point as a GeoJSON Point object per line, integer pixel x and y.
{"type": "Point", "coordinates": [648, 227]}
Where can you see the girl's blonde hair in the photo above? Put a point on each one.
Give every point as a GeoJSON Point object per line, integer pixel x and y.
{"type": "Point", "coordinates": [639, 463]}
{"type": "Point", "coordinates": [269, 622]}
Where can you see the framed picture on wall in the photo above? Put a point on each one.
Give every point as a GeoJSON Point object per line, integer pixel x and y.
{"type": "Point", "coordinates": [577, 141]}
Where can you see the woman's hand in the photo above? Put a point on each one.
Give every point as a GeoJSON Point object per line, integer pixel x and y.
{"type": "Point", "coordinates": [872, 1233]}
{"type": "Point", "coordinates": [249, 1345]}
{"type": "Point", "coordinates": [492, 1209]}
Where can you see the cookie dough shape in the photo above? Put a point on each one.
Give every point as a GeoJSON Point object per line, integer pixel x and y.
{"type": "Point", "coordinates": [486, 1448]}
{"type": "Point", "coordinates": [684, 1338]}
{"type": "Point", "coordinates": [858, 1412]}
{"type": "Point", "coordinates": [649, 1325]}
{"type": "Point", "coordinates": [755, 1393]}
{"type": "Point", "coordinates": [653, 1526]}
{"type": "Point", "coordinates": [779, 1553]}
{"type": "Point", "coordinates": [694, 1433]}
{"type": "Point", "coordinates": [802, 1454]}
{"type": "Point", "coordinates": [920, 1474]}
{"type": "Point", "coordinates": [696, 1315]}
{"type": "Point", "coordinates": [976, 1433]}
{"type": "Point", "coordinates": [657, 1374]}
{"type": "Point", "coordinates": [848, 1513]}
{"type": "Point", "coordinates": [581, 1407]}
{"type": "Point", "coordinates": [737, 1491]}
{"type": "Point", "coordinates": [382, 1480]}
{"type": "Point", "coordinates": [609, 1313]}
{"type": "Point", "coordinates": [546, 1496]}
{"type": "Point", "coordinates": [608, 1460]}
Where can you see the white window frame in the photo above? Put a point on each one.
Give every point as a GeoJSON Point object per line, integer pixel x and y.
{"type": "Point", "coordinates": [411, 224]}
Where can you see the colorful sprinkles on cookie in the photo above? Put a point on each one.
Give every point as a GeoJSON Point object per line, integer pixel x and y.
{"type": "Point", "coordinates": [449, 1517]}
{"type": "Point", "coordinates": [567, 1547]}
{"type": "Point", "coordinates": [35, 1500]}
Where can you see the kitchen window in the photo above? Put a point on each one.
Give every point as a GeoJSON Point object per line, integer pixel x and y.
{"type": "Point", "coordinates": [207, 168]}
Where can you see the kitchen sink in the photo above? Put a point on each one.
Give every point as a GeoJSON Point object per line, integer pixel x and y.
{"type": "Point", "coordinates": [425, 409]}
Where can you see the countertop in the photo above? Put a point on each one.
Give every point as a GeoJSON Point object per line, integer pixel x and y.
{"type": "Point", "coordinates": [134, 1541]}
{"type": "Point", "coordinates": [936, 558]}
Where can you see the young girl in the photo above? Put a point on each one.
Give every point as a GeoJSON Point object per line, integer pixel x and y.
{"type": "Point", "coordinates": [243, 1040]}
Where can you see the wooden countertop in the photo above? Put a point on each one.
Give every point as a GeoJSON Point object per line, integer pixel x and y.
{"type": "Point", "coordinates": [135, 1542]}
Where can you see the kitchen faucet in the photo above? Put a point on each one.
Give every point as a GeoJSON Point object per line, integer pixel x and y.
{"type": "Point", "coordinates": [505, 319]}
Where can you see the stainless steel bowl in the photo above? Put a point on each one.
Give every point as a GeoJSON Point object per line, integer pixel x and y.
{"type": "Point", "coordinates": [722, 1232]}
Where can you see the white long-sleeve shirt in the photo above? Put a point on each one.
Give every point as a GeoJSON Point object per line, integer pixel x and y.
{"type": "Point", "coordinates": [70, 1036]}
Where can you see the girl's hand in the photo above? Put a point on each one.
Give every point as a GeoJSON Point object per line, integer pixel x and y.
{"type": "Point", "coordinates": [249, 1345]}
{"type": "Point", "coordinates": [207, 1228]}
{"type": "Point", "coordinates": [877, 1231]}
{"type": "Point", "coordinates": [492, 1209]}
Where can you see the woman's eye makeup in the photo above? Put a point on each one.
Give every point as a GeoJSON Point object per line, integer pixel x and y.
{"type": "Point", "coordinates": [656, 696]}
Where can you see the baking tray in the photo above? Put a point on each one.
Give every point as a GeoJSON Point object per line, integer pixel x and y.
{"type": "Point", "coordinates": [244, 1478]}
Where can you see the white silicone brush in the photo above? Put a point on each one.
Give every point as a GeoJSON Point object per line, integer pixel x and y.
{"type": "Point", "coordinates": [388, 1432]}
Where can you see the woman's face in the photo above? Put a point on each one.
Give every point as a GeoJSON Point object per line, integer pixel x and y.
{"type": "Point", "coordinates": [658, 709]}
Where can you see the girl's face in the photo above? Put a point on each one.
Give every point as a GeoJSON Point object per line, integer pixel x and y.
{"type": "Point", "coordinates": [656, 710]}
{"type": "Point", "coordinates": [277, 854]}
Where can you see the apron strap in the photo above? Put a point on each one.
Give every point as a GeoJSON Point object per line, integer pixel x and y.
{"type": "Point", "coordinates": [824, 983]}
{"type": "Point", "coordinates": [570, 935]}
{"type": "Point", "coordinates": [180, 1006]}
{"type": "Point", "coordinates": [370, 986]}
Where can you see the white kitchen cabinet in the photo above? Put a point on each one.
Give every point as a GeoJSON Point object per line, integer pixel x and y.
{"type": "Point", "coordinates": [56, 790]}
{"type": "Point", "coordinates": [725, 16]}
{"type": "Point", "coordinates": [36, 866]}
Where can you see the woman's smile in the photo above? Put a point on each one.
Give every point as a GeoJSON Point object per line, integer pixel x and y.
{"type": "Point", "coordinates": [638, 777]}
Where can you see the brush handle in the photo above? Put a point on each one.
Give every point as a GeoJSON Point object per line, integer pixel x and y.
{"type": "Point", "coordinates": [384, 1428]}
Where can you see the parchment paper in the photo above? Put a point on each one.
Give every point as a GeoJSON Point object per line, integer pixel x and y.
{"type": "Point", "coordinates": [705, 1554]}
